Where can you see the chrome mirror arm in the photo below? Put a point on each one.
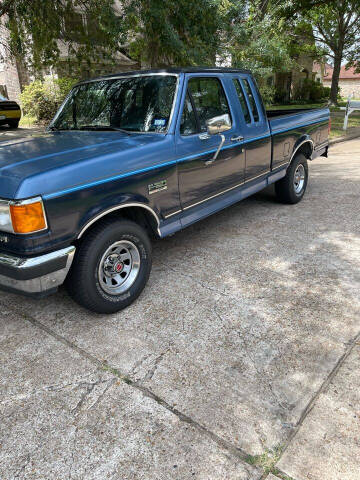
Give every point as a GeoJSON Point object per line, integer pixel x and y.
{"type": "Point", "coordinates": [209, 162]}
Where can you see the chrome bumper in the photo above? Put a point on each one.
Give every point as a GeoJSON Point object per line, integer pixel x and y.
{"type": "Point", "coordinates": [37, 275]}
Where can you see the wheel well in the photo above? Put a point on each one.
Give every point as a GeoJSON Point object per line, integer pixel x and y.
{"type": "Point", "coordinates": [140, 215]}
{"type": "Point", "coordinates": [306, 149]}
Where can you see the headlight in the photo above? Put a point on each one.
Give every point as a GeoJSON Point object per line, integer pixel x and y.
{"type": "Point", "coordinates": [5, 218]}
{"type": "Point", "coordinates": [23, 216]}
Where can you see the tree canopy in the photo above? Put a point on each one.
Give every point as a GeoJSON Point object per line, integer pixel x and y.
{"type": "Point", "coordinates": [336, 27]}
{"type": "Point", "coordinates": [173, 32]}
{"type": "Point", "coordinates": [266, 36]}
{"type": "Point", "coordinates": [39, 29]}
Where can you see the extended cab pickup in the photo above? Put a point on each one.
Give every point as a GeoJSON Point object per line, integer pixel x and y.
{"type": "Point", "coordinates": [138, 154]}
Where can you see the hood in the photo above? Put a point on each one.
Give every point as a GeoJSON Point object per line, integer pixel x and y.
{"type": "Point", "coordinates": [44, 163]}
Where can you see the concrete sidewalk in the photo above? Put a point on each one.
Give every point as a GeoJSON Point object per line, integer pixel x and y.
{"type": "Point", "coordinates": [240, 359]}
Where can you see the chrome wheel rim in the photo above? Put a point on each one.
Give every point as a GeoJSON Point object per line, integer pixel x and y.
{"type": "Point", "coordinates": [119, 267]}
{"type": "Point", "coordinates": [299, 178]}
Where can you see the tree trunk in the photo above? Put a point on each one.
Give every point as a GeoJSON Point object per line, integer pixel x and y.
{"type": "Point", "coordinates": [335, 79]}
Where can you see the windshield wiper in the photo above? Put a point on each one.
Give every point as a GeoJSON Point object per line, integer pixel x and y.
{"type": "Point", "coordinates": [104, 128]}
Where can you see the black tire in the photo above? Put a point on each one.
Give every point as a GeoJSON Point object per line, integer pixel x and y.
{"type": "Point", "coordinates": [85, 279]}
{"type": "Point", "coordinates": [13, 123]}
{"type": "Point", "coordinates": [286, 190]}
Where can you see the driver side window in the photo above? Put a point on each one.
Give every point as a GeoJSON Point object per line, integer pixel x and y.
{"type": "Point", "coordinates": [209, 99]}
{"type": "Point", "coordinates": [205, 99]}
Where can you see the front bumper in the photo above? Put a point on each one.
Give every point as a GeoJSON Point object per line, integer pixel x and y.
{"type": "Point", "coordinates": [35, 276]}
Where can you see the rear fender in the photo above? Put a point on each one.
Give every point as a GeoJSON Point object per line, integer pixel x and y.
{"type": "Point", "coordinates": [304, 145]}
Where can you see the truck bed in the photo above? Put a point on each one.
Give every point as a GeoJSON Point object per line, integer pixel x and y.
{"type": "Point", "coordinates": [289, 111]}
{"type": "Point", "coordinates": [282, 120]}
{"type": "Point", "coordinates": [288, 126]}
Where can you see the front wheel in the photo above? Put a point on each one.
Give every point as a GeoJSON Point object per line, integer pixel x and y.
{"type": "Point", "coordinates": [111, 266]}
{"type": "Point", "coordinates": [292, 187]}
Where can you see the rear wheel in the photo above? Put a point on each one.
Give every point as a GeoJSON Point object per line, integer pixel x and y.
{"type": "Point", "coordinates": [292, 187]}
{"type": "Point", "coordinates": [13, 123]}
{"type": "Point", "coordinates": [111, 266]}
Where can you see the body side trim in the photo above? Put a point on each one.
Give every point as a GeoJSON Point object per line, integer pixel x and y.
{"type": "Point", "coordinates": [322, 145]}
{"type": "Point", "coordinates": [227, 190]}
{"type": "Point", "coordinates": [279, 166]}
{"type": "Point", "coordinates": [230, 198]}
{"type": "Point", "coordinates": [118, 207]}
{"type": "Point", "coordinates": [173, 213]}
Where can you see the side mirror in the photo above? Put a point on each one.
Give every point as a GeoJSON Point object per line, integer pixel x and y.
{"type": "Point", "coordinates": [218, 124]}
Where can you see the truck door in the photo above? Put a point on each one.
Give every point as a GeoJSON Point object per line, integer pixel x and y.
{"type": "Point", "coordinates": [256, 130]}
{"type": "Point", "coordinates": [200, 176]}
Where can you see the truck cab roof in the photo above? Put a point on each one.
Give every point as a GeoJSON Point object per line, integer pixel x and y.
{"type": "Point", "coordinates": [171, 70]}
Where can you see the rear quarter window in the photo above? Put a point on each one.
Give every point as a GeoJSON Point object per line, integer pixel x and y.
{"type": "Point", "coordinates": [242, 100]}
{"type": "Point", "coordinates": [252, 102]}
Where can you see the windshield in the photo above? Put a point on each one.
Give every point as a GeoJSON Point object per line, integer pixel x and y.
{"type": "Point", "coordinates": [134, 104]}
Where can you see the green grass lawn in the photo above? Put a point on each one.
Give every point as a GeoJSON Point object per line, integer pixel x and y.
{"type": "Point", "coordinates": [337, 122]}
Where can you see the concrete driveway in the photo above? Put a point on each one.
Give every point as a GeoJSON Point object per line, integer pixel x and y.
{"type": "Point", "coordinates": [7, 133]}
{"type": "Point", "coordinates": [239, 361]}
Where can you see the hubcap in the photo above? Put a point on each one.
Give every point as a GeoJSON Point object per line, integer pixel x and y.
{"type": "Point", "coordinates": [119, 267]}
{"type": "Point", "coordinates": [299, 178]}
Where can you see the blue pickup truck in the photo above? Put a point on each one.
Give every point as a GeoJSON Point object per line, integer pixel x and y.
{"type": "Point", "coordinates": [136, 155]}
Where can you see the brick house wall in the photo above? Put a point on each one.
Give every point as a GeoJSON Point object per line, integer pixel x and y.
{"type": "Point", "coordinates": [9, 75]}
{"type": "Point", "coordinates": [347, 87]}
{"type": "Point", "coordinates": [349, 81]}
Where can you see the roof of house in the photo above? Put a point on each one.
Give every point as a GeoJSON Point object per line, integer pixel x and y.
{"type": "Point", "coordinates": [345, 74]}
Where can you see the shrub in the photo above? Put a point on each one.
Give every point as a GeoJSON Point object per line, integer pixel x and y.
{"type": "Point", "coordinates": [280, 96]}
{"type": "Point", "coordinates": [312, 91]}
{"type": "Point", "coordinates": [267, 93]}
{"type": "Point", "coordinates": [41, 99]}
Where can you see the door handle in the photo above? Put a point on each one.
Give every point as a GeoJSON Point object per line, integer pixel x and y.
{"type": "Point", "coordinates": [237, 138]}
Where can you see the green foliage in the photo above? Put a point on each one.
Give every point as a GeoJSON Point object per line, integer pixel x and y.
{"type": "Point", "coordinates": [267, 93]}
{"type": "Point", "coordinates": [312, 91]}
{"type": "Point", "coordinates": [336, 27]}
{"type": "Point", "coordinates": [261, 47]}
{"type": "Point", "coordinates": [265, 36]}
{"type": "Point", "coordinates": [172, 32]}
{"type": "Point", "coordinates": [40, 29]}
{"type": "Point", "coordinates": [280, 96]}
{"type": "Point", "coordinates": [41, 99]}
{"type": "Point", "coordinates": [261, 40]}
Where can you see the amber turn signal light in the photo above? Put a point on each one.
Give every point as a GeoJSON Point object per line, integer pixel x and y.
{"type": "Point", "coordinates": [28, 218]}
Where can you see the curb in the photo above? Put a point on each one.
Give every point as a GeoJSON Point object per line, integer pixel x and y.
{"type": "Point", "coordinates": [344, 139]}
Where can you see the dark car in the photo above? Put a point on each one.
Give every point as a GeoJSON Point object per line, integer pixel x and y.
{"type": "Point", "coordinates": [10, 112]}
